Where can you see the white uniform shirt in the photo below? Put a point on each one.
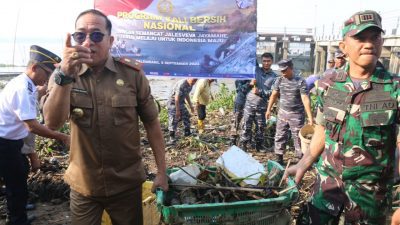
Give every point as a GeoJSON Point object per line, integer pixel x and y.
{"type": "Point", "coordinates": [17, 103]}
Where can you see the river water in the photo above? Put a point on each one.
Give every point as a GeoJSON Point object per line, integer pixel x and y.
{"type": "Point", "coordinates": [160, 86]}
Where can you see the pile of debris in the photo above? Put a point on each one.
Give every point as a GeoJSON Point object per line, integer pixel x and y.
{"type": "Point", "coordinates": [236, 177]}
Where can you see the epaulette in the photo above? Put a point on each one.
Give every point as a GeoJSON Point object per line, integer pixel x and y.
{"type": "Point", "coordinates": [30, 88]}
{"type": "Point", "coordinates": [130, 62]}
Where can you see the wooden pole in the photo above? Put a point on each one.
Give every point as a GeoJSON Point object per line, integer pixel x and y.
{"type": "Point", "coordinates": [287, 166]}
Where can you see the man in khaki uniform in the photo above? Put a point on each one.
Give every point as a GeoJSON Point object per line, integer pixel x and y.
{"type": "Point", "coordinates": [104, 98]}
{"type": "Point", "coordinates": [202, 96]}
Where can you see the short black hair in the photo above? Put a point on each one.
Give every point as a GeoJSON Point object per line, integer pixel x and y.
{"type": "Point", "coordinates": [96, 12]}
{"type": "Point", "coordinates": [267, 55]}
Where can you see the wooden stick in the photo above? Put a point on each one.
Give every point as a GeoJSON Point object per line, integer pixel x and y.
{"type": "Point", "coordinates": [286, 190]}
{"type": "Point", "coordinates": [395, 186]}
{"type": "Point", "coordinates": [396, 202]}
{"type": "Point", "coordinates": [218, 188]}
{"type": "Point", "coordinates": [287, 166]}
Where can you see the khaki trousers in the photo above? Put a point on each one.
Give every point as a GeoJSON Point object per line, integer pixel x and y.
{"type": "Point", "coordinates": [124, 208]}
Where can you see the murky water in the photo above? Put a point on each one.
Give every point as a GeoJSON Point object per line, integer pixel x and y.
{"type": "Point", "coordinates": [160, 86]}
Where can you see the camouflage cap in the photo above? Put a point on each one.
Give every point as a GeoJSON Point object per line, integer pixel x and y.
{"type": "Point", "coordinates": [284, 64]}
{"type": "Point", "coordinates": [339, 54]}
{"type": "Point", "coordinates": [361, 21]}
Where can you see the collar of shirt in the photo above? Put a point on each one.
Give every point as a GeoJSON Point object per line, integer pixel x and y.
{"type": "Point", "coordinates": [109, 65]}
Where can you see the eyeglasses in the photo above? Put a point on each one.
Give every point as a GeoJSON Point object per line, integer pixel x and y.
{"type": "Point", "coordinates": [80, 37]}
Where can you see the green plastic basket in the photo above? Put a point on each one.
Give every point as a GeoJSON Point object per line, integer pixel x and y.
{"type": "Point", "coordinates": [252, 212]}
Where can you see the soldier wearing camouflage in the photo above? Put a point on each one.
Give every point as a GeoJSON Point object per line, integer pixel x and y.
{"type": "Point", "coordinates": [355, 170]}
{"type": "Point", "coordinates": [242, 88]}
{"type": "Point", "coordinates": [180, 92]}
{"type": "Point", "coordinates": [356, 133]}
{"type": "Point", "coordinates": [293, 103]}
{"type": "Point", "coordinates": [256, 104]}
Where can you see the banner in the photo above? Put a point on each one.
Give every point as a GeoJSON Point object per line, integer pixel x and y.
{"type": "Point", "coordinates": [201, 38]}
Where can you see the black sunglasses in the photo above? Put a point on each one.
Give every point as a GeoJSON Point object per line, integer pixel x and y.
{"type": "Point", "coordinates": [80, 37]}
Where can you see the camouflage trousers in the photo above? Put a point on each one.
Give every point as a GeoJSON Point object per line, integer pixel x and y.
{"type": "Point", "coordinates": [356, 203]}
{"type": "Point", "coordinates": [254, 114]}
{"type": "Point", "coordinates": [173, 122]}
{"type": "Point", "coordinates": [310, 215]}
{"type": "Point", "coordinates": [288, 120]}
{"type": "Point", "coordinates": [238, 110]}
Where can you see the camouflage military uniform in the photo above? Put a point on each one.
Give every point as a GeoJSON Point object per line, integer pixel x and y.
{"type": "Point", "coordinates": [242, 88]}
{"type": "Point", "coordinates": [256, 106]}
{"type": "Point", "coordinates": [291, 112]}
{"type": "Point", "coordinates": [183, 88]}
{"type": "Point", "coordinates": [356, 167]}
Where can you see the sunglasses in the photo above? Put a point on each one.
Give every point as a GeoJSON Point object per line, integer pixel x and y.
{"type": "Point", "coordinates": [80, 37]}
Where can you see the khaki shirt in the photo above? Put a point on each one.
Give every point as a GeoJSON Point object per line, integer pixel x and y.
{"type": "Point", "coordinates": [105, 157]}
{"type": "Point", "coordinates": [202, 93]}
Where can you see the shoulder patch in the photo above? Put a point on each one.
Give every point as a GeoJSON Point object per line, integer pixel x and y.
{"type": "Point", "coordinates": [30, 87]}
{"type": "Point", "coordinates": [130, 62]}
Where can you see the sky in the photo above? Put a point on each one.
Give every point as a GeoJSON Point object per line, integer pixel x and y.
{"type": "Point", "coordinates": [46, 22]}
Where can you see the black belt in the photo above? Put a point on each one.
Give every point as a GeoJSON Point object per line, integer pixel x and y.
{"type": "Point", "coordinates": [3, 140]}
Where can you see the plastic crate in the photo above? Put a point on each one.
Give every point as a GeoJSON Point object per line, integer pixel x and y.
{"type": "Point", "coordinates": [253, 212]}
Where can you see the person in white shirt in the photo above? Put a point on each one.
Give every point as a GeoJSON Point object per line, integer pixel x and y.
{"type": "Point", "coordinates": [18, 110]}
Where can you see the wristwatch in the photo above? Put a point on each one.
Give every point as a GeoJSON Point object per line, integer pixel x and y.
{"type": "Point", "coordinates": [61, 79]}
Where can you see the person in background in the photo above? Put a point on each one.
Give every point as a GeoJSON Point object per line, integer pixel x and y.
{"type": "Point", "coordinates": [331, 64]}
{"type": "Point", "coordinates": [340, 60]}
{"type": "Point", "coordinates": [294, 104]}
{"type": "Point", "coordinates": [29, 142]}
{"type": "Point", "coordinates": [18, 111]}
{"type": "Point", "coordinates": [177, 110]}
{"type": "Point", "coordinates": [103, 98]}
{"type": "Point", "coordinates": [242, 89]}
{"type": "Point", "coordinates": [201, 97]}
{"type": "Point", "coordinates": [310, 81]}
{"type": "Point", "coordinates": [356, 133]}
{"type": "Point", "coordinates": [256, 102]}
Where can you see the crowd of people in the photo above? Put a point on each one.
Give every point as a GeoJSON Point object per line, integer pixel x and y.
{"type": "Point", "coordinates": [103, 98]}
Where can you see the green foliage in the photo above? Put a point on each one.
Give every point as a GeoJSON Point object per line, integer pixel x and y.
{"type": "Point", "coordinates": [224, 98]}
{"type": "Point", "coordinates": [163, 116]}
{"type": "Point", "coordinates": [192, 157]}
{"type": "Point", "coordinates": [313, 100]}
{"type": "Point", "coordinates": [47, 146]}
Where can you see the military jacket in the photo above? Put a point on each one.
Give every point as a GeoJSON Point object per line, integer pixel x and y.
{"type": "Point", "coordinates": [105, 157]}
{"type": "Point", "coordinates": [242, 88]}
{"type": "Point", "coordinates": [356, 166]}
{"type": "Point", "coordinates": [290, 91]}
{"type": "Point", "coordinates": [264, 82]}
{"type": "Point", "coordinates": [182, 88]}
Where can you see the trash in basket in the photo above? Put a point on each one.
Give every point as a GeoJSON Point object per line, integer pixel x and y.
{"type": "Point", "coordinates": [251, 212]}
